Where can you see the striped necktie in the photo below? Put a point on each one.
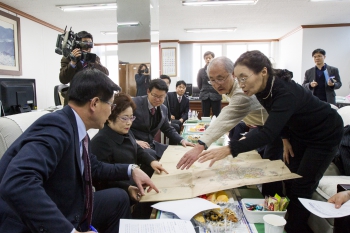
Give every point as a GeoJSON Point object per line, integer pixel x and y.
{"type": "Point", "coordinates": [88, 182]}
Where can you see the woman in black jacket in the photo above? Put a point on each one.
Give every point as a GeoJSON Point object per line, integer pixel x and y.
{"type": "Point", "coordinates": [313, 128]}
{"type": "Point", "coordinates": [115, 143]}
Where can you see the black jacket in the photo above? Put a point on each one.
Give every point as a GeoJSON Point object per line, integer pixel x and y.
{"type": "Point", "coordinates": [179, 110]}
{"type": "Point", "coordinates": [112, 147]}
{"type": "Point", "coordinates": [299, 114]}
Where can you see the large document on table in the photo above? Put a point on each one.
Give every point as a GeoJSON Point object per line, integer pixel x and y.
{"type": "Point", "coordinates": [246, 169]}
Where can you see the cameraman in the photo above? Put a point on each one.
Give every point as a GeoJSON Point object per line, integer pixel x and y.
{"type": "Point", "coordinates": [69, 67]}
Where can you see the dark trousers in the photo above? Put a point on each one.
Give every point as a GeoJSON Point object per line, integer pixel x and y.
{"type": "Point", "coordinates": [310, 162]}
{"type": "Point", "coordinates": [214, 105]}
{"type": "Point", "coordinates": [177, 126]}
{"type": "Point", "coordinates": [272, 151]}
{"type": "Point", "coordinates": [110, 205]}
{"type": "Point", "coordinates": [236, 132]}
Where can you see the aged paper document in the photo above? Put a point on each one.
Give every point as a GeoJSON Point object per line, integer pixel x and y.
{"type": "Point", "coordinates": [246, 169]}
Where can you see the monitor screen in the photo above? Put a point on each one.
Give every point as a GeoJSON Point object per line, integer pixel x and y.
{"type": "Point", "coordinates": [195, 92]}
{"type": "Point", "coordinates": [17, 95]}
{"type": "Point", "coordinates": [188, 89]}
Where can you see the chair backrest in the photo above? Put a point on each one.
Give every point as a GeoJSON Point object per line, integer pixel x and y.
{"type": "Point", "coordinates": [11, 127]}
{"type": "Point", "coordinates": [57, 94]}
{"type": "Point", "coordinates": [344, 112]}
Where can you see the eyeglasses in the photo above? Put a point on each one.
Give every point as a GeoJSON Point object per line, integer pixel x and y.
{"type": "Point", "coordinates": [243, 79]}
{"type": "Point", "coordinates": [126, 119]}
{"type": "Point", "coordinates": [110, 104]}
{"type": "Point", "coordinates": [218, 81]}
{"type": "Point", "coordinates": [157, 96]}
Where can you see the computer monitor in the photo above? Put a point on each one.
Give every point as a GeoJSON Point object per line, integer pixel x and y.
{"type": "Point", "coordinates": [17, 95]}
{"type": "Point", "coordinates": [195, 92]}
{"type": "Point", "coordinates": [188, 89]}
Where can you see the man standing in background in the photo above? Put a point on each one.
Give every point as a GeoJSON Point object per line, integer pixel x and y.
{"type": "Point", "coordinates": [322, 79]}
{"type": "Point", "coordinates": [208, 95]}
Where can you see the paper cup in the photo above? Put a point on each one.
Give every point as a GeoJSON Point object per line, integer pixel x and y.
{"type": "Point", "coordinates": [274, 223]}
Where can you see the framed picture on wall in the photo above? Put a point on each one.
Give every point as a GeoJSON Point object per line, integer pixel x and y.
{"type": "Point", "coordinates": [10, 45]}
{"type": "Point", "coordinates": [169, 61]}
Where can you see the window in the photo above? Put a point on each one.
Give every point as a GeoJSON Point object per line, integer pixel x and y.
{"type": "Point", "coordinates": [235, 50]}
{"type": "Point", "coordinates": [262, 47]}
{"type": "Point", "coordinates": [230, 50]}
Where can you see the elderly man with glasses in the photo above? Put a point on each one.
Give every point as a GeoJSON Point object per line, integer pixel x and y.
{"type": "Point", "coordinates": [241, 107]}
{"type": "Point", "coordinates": [151, 116]}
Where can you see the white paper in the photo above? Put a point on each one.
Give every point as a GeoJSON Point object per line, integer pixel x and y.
{"type": "Point", "coordinates": [155, 226]}
{"type": "Point", "coordinates": [187, 208]}
{"type": "Point", "coordinates": [325, 209]}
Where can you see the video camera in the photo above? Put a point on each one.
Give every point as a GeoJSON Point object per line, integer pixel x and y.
{"type": "Point", "coordinates": [68, 41]}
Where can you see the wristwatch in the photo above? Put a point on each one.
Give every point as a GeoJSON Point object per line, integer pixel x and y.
{"type": "Point", "coordinates": [203, 144]}
{"type": "Point", "coordinates": [133, 166]}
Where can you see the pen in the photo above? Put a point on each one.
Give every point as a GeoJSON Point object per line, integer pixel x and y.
{"type": "Point", "coordinates": [93, 228]}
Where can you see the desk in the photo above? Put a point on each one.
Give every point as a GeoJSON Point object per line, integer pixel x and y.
{"type": "Point", "coordinates": [341, 101]}
{"type": "Point", "coordinates": [242, 192]}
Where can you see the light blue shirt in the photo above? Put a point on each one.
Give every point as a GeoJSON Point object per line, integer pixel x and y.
{"type": "Point", "coordinates": [81, 134]}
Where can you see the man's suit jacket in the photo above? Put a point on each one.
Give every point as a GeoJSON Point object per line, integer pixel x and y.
{"type": "Point", "coordinates": [184, 105]}
{"type": "Point", "coordinates": [166, 103]}
{"type": "Point", "coordinates": [41, 186]}
{"type": "Point", "coordinates": [310, 75]}
{"type": "Point", "coordinates": [141, 127]}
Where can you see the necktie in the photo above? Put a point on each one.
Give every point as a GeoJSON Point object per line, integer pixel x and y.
{"type": "Point", "coordinates": [153, 110]}
{"type": "Point", "coordinates": [88, 181]}
{"type": "Point", "coordinates": [179, 99]}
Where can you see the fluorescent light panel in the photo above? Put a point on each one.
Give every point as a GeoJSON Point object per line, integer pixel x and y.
{"type": "Point", "coordinates": [88, 7]}
{"type": "Point", "coordinates": [329, 0]}
{"type": "Point", "coordinates": [109, 32]}
{"type": "Point", "coordinates": [221, 2]}
{"type": "Point", "coordinates": [208, 30]}
{"type": "Point", "coordinates": [128, 24]}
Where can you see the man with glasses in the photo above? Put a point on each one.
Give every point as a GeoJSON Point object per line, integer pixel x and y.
{"type": "Point", "coordinates": [46, 174]}
{"type": "Point", "coordinates": [151, 116]}
{"type": "Point", "coordinates": [241, 107]}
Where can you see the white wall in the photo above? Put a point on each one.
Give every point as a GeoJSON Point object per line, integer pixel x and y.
{"type": "Point", "coordinates": [290, 53]}
{"type": "Point", "coordinates": [186, 63]}
{"type": "Point", "coordinates": [39, 60]}
{"type": "Point", "coordinates": [336, 42]}
{"type": "Point", "coordinates": [135, 52]}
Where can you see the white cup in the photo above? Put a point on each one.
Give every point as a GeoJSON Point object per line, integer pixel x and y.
{"type": "Point", "coordinates": [274, 223]}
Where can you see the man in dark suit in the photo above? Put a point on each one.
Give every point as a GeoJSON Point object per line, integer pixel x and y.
{"type": "Point", "coordinates": [151, 116]}
{"type": "Point", "coordinates": [179, 105]}
{"type": "Point", "coordinates": [322, 79]}
{"type": "Point", "coordinates": [167, 80]}
{"type": "Point", "coordinates": [46, 174]}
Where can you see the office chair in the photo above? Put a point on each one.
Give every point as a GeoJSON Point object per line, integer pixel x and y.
{"type": "Point", "coordinates": [57, 94]}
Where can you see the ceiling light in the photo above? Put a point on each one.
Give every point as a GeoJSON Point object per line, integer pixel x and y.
{"type": "Point", "coordinates": [329, 0]}
{"type": "Point", "coordinates": [206, 30]}
{"type": "Point", "coordinates": [220, 2]}
{"type": "Point", "coordinates": [128, 24]}
{"type": "Point", "coordinates": [89, 7]}
{"type": "Point", "coordinates": [109, 32]}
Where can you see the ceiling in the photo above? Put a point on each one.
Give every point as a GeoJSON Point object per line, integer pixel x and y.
{"type": "Point", "coordinates": [268, 19]}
